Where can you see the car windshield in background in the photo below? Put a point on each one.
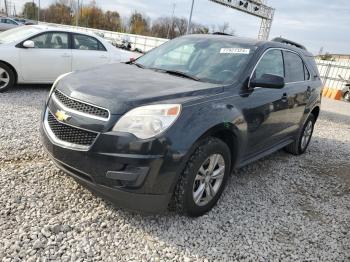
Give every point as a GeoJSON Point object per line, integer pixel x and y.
{"type": "Point", "coordinates": [18, 33]}
{"type": "Point", "coordinates": [208, 60]}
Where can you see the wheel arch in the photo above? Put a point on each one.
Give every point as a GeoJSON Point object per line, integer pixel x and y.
{"type": "Point", "coordinates": [226, 132]}
{"type": "Point", "coordinates": [316, 112]}
{"type": "Point", "coordinates": [12, 68]}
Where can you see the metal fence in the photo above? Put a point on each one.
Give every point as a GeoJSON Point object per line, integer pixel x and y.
{"type": "Point", "coordinates": [334, 73]}
{"type": "Point", "coordinates": [143, 43]}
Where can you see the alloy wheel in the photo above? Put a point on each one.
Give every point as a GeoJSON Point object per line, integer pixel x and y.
{"type": "Point", "coordinates": [306, 135]}
{"type": "Point", "coordinates": [4, 78]}
{"type": "Point", "coordinates": [209, 179]}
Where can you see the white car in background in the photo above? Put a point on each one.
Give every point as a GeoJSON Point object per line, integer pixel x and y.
{"type": "Point", "coordinates": [7, 23]}
{"type": "Point", "coordinates": [39, 54]}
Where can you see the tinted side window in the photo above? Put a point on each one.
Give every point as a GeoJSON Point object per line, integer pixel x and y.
{"type": "Point", "coordinates": [84, 42]}
{"type": "Point", "coordinates": [294, 67]}
{"type": "Point", "coordinates": [270, 63]}
{"type": "Point", "coordinates": [51, 40]}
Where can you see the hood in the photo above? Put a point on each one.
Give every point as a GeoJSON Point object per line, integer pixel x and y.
{"type": "Point", "coordinates": [120, 87]}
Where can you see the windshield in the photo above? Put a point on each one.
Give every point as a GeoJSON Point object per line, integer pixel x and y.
{"type": "Point", "coordinates": [215, 60]}
{"type": "Point", "coordinates": [17, 34]}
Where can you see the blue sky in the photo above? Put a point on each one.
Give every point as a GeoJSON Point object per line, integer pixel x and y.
{"type": "Point", "coordinates": [314, 23]}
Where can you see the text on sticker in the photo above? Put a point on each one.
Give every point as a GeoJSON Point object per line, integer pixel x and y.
{"type": "Point", "coordinates": [234, 51]}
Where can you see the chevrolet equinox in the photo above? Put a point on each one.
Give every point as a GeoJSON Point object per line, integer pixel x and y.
{"type": "Point", "coordinates": [166, 130]}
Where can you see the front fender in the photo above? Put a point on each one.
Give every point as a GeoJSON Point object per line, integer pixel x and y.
{"type": "Point", "coordinates": [199, 120]}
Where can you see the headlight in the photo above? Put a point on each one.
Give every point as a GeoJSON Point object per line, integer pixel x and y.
{"type": "Point", "coordinates": [148, 121]}
{"type": "Point", "coordinates": [55, 84]}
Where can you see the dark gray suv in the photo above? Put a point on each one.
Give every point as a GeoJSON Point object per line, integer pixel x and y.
{"type": "Point", "coordinates": [166, 130]}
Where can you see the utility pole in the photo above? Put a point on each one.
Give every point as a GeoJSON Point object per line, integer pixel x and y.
{"type": "Point", "coordinates": [6, 10]}
{"type": "Point", "coordinates": [39, 11]}
{"type": "Point", "coordinates": [190, 19]}
{"type": "Point", "coordinates": [77, 15]}
{"type": "Point", "coordinates": [172, 21]}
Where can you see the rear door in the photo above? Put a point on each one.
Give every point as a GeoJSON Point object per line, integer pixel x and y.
{"type": "Point", "coordinates": [88, 52]}
{"type": "Point", "coordinates": [298, 88]}
{"type": "Point", "coordinates": [50, 58]}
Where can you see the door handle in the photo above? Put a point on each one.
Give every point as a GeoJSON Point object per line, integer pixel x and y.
{"type": "Point", "coordinates": [103, 56]}
{"type": "Point", "coordinates": [66, 55]}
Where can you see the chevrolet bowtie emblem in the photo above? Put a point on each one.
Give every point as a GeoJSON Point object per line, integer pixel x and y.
{"type": "Point", "coordinates": [62, 116]}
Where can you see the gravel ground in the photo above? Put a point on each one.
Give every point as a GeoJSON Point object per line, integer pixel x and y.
{"type": "Point", "coordinates": [280, 208]}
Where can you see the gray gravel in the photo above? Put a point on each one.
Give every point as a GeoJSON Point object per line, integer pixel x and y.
{"type": "Point", "coordinates": [280, 208]}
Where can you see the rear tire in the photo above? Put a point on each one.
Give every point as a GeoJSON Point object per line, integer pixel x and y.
{"type": "Point", "coordinates": [301, 143]}
{"type": "Point", "coordinates": [204, 178]}
{"type": "Point", "coordinates": [7, 77]}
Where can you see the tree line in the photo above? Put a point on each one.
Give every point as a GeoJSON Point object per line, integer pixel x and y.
{"type": "Point", "coordinates": [69, 12]}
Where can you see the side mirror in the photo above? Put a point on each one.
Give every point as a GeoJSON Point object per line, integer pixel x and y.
{"type": "Point", "coordinates": [28, 44]}
{"type": "Point", "coordinates": [268, 81]}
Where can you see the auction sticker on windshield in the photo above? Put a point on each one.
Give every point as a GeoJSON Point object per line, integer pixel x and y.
{"type": "Point", "coordinates": [234, 51]}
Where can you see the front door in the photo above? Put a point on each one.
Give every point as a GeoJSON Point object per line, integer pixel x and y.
{"type": "Point", "coordinates": [266, 108]}
{"type": "Point", "coordinates": [50, 58]}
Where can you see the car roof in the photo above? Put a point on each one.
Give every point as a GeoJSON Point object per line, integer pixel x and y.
{"type": "Point", "coordinates": [234, 39]}
{"type": "Point", "coordinates": [58, 29]}
{"type": "Point", "coordinates": [252, 42]}
{"type": "Point", "coordinates": [6, 17]}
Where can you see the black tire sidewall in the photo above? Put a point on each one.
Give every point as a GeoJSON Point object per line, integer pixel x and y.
{"type": "Point", "coordinates": [11, 76]}
{"type": "Point", "coordinates": [215, 147]}
{"type": "Point", "coordinates": [310, 118]}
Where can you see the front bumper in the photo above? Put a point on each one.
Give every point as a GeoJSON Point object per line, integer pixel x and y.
{"type": "Point", "coordinates": [129, 180]}
{"type": "Point", "coordinates": [148, 203]}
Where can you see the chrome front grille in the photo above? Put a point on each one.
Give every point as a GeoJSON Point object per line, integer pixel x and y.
{"type": "Point", "coordinates": [81, 107]}
{"type": "Point", "coordinates": [68, 134]}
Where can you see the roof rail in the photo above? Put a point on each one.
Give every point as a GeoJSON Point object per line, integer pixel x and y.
{"type": "Point", "coordinates": [288, 42]}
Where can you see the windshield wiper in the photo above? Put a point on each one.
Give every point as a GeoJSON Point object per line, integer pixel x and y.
{"type": "Point", "coordinates": [138, 65]}
{"type": "Point", "coordinates": [178, 73]}
{"type": "Point", "coordinates": [135, 63]}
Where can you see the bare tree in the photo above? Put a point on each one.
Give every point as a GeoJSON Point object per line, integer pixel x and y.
{"type": "Point", "coordinates": [91, 15]}
{"type": "Point", "coordinates": [223, 27]}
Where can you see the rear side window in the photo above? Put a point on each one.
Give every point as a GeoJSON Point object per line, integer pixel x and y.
{"type": "Point", "coordinates": [270, 63]}
{"type": "Point", "coordinates": [294, 67]}
{"type": "Point", "coordinates": [84, 42]}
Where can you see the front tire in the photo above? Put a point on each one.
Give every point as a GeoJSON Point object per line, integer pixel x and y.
{"type": "Point", "coordinates": [7, 77]}
{"type": "Point", "coordinates": [204, 178]}
{"type": "Point", "coordinates": [301, 143]}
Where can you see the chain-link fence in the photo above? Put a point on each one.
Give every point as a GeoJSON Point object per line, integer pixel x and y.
{"type": "Point", "coordinates": [334, 73]}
